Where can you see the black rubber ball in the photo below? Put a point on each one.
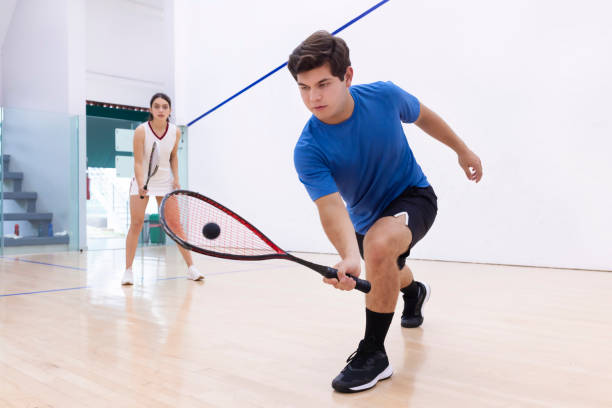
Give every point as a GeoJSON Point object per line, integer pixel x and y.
{"type": "Point", "coordinates": [211, 230]}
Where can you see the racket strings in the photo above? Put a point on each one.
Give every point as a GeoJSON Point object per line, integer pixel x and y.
{"type": "Point", "coordinates": [186, 217]}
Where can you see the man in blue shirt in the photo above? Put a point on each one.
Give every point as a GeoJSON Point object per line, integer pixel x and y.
{"type": "Point", "coordinates": [354, 149]}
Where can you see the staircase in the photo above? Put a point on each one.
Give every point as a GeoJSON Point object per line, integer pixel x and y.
{"type": "Point", "coordinates": [41, 220]}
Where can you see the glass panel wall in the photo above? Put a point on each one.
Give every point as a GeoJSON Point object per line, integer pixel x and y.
{"type": "Point", "coordinates": [40, 205]}
{"type": "Point", "coordinates": [1, 186]}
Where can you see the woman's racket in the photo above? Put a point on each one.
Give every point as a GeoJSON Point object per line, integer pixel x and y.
{"type": "Point", "coordinates": [153, 164]}
{"type": "Point", "coordinates": [200, 224]}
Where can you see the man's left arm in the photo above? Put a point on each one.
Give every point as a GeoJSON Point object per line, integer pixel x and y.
{"type": "Point", "coordinates": [436, 127]}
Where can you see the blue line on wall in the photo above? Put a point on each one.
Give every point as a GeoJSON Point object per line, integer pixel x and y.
{"type": "Point", "coordinates": [359, 17]}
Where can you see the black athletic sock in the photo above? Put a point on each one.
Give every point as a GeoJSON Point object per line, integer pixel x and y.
{"type": "Point", "coordinates": [411, 290]}
{"type": "Point", "coordinates": [377, 326]}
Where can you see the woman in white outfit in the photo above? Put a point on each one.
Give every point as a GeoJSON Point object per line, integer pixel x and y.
{"type": "Point", "coordinates": [157, 129]}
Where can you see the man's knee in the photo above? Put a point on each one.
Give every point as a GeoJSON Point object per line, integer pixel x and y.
{"type": "Point", "coordinates": [380, 250]}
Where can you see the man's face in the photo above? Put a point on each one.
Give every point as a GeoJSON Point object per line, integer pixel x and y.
{"type": "Point", "coordinates": [325, 95]}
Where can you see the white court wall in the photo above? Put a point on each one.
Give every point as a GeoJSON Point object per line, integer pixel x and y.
{"type": "Point", "coordinates": [129, 50]}
{"type": "Point", "coordinates": [35, 57]}
{"type": "Point", "coordinates": [7, 7]}
{"type": "Point", "coordinates": [6, 13]}
{"type": "Point", "coordinates": [43, 86]}
{"type": "Point", "coordinates": [525, 84]}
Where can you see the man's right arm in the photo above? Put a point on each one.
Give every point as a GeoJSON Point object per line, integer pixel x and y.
{"type": "Point", "coordinates": [339, 229]}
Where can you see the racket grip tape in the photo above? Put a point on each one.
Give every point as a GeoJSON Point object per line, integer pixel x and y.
{"type": "Point", "coordinates": [361, 284]}
{"type": "Point", "coordinates": [144, 188]}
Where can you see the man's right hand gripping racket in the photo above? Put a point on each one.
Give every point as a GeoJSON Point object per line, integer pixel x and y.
{"type": "Point", "coordinates": [202, 225]}
{"type": "Point", "coordinates": [153, 164]}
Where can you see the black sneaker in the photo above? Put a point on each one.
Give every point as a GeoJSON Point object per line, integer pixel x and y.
{"type": "Point", "coordinates": [366, 366]}
{"type": "Point", "coordinates": [412, 316]}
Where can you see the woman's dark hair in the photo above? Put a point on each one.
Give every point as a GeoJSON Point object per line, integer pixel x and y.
{"type": "Point", "coordinates": [165, 98]}
{"type": "Point", "coordinates": [320, 48]}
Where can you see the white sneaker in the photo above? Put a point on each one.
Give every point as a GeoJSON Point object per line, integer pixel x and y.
{"type": "Point", "coordinates": [128, 278]}
{"type": "Point", "coordinates": [194, 274]}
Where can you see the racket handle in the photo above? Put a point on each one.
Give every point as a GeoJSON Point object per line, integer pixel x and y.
{"type": "Point", "coordinates": [144, 188]}
{"type": "Point", "coordinates": [361, 284]}
{"type": "Point", "coordinates": [330, 273]}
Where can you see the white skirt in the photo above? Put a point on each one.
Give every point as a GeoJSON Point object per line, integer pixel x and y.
{"type": "Point", "coordinates": [155, 188]}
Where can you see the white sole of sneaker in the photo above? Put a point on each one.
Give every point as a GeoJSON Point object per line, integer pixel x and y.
{"type": "Point", "coordinates": [428, 292]}
{"type": "Point", "coordinates": [387, 372]}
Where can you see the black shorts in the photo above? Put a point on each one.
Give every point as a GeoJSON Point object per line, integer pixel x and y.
{"type": "Point", "coordinates": [421, 206]}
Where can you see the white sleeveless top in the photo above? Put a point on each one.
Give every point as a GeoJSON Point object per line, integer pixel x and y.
{"type": "Point", "coordinates": [161, 183]}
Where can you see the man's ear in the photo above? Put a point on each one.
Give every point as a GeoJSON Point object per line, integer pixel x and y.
{"type": "Point", "coordinates": [348, 76]}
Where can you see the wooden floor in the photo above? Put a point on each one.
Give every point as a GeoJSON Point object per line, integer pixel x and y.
{"type": "Point", "coordinates": [270, 334]}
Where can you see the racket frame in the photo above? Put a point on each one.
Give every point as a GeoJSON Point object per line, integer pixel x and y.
{"type": "Point", "coordinates": [326, 271]}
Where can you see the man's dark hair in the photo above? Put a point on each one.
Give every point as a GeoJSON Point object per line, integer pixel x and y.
{"type": "Point", "coordinates": [320, 48]}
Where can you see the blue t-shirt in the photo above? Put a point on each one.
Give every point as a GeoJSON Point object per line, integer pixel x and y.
{"type": "Point", "coordinates": [366, 158]}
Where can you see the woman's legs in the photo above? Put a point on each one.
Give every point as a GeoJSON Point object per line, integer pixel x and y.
{"type": "Point", "coordinates": [137, 213]}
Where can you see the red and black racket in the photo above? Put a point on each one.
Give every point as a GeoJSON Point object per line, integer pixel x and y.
{"type": "Point", "coordinates": [200, 224]}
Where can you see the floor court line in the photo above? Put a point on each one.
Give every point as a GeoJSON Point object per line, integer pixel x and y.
{"type": "Point", "coordinates": [43, 263]}
{"type": "Point", "coordinates": [44, 291]}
